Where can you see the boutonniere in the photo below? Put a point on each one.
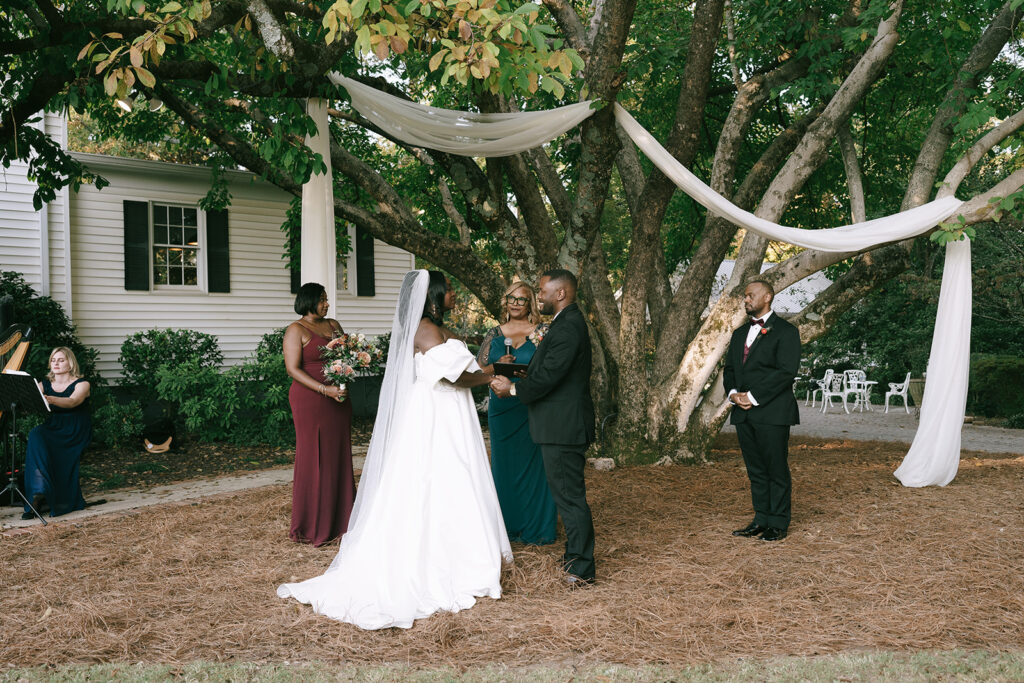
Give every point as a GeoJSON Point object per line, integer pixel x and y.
{"type": "Point", "coordinates": [765, 330]}
{"type": "Point", "coordinates": [537, 336]}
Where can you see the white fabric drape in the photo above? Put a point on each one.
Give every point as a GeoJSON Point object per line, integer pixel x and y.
{"type": "Point", "coordinates": [854, 237]}
{"type": "Point", "coordinates": [317, 246]}
{"type": "Point", "coordinates": [461, 132]}
{"type": "Point", "coordinates": [934, 457]}
{"type": "Point", "coordinates": [935, 453]}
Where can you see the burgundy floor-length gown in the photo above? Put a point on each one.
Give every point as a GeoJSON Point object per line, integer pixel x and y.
{"type": "Point", "coordinates": [324, 487]}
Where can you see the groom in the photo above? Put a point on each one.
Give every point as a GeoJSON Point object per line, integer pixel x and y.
{"type": "Point", "coordinates": [556, 391]}
{"type": "Point", "coordinates": [762, 361]}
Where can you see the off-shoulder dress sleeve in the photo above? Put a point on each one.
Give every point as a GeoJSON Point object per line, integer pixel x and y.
{"type": "Point", "coordinates": [446, 361]}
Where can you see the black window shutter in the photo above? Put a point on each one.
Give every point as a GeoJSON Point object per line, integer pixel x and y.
{"type": "Point", "coordinates": [136, 245]}
{"type": "Point", "coordinates": [365, 279]}
{"type": "Point", "coordinates": [217, 257]}
{"type": "Point", "coordinates": [294, 269]}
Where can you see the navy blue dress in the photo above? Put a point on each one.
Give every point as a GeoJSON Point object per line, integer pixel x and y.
{"type": "Point", "coordinates": [516, 462]}
{"type": "Point", "coordinates": [54, 452]}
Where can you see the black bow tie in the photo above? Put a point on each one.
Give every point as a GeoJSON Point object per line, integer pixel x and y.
{"type": "Point", "coordinates": [758, 321]}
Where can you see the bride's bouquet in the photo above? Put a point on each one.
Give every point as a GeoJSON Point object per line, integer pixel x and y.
{"type": "Point", "coordinates": [350, 356]}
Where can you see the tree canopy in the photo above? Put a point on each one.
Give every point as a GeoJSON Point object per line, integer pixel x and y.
{"type": "Point", "coordinates": [803, 111]}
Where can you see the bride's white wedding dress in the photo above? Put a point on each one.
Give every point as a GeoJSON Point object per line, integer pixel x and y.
{"type": "Point", "coordinates": [431, 536]}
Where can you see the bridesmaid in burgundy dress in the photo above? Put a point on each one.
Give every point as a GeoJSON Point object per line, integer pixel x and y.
{"type": "Point", "coordinates": [324, 487]}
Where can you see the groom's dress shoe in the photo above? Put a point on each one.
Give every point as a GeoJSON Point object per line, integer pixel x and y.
{"type": "Point", "coordinates": [574, 582]}
{"type": "Point", "coordinates": [773, 534]}
{"type": "Point", "coordinates": [752, 529]}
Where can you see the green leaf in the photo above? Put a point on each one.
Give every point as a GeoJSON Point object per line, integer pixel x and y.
{"type": "Point", "coordinates": [435, 61]}
{"type": "Point", "coordinates": [145, 76]}
{"type": "Point", "coordinates": [110, 83]}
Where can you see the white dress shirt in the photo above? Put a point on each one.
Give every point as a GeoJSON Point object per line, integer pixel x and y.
{"type": "Point", "coordinates": [751, 336]}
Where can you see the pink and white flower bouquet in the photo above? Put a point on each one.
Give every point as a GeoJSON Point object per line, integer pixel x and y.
{"type": "Point", "coordinates": [350, 356]}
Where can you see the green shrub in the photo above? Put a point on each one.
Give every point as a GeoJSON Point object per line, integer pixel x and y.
{"type": "Point", "coordinates": [246, 404]}
{"type": "Point", "coordinates": [991, 377]}
{"type": "Point", "coordinates": [117, 424]}
{"type": "Point", "coordinates": [51, 328]}
{"type": "Point", "coordinates": [207, 399]}
{"type": "Point", "coordinates": [267, 415]}
{"type": "Point", "coordinates": [144, 353]}
{"type": "Point", "coordinates": [1016, 421]}
{"type": "Point", "coordinates": [271, 345]}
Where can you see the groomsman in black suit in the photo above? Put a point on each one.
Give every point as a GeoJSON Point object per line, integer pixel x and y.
{"type": "Point", "coordinates": [761, 364]}
{"type": "Point", "coordinates": [556, 391]}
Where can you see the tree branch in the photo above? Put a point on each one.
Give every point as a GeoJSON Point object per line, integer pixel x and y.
{"type": "Point", "coordinates": [572, 28]}
{"type": "Point", "coordinates": [275, 37]}
{"type": "Point", "coordinates": [396, 225]}
{"type": "Point", "coordinates": [854, 179]}
{"type": "Point", "coordinates": [936, 142]}
{"type": "Point", "coordinates": [966, 163]}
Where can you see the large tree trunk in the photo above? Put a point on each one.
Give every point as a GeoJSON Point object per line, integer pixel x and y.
{"type": "Point", "coordinates": [674, 425]}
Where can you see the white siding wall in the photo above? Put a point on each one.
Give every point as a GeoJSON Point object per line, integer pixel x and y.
{"type": "Point", "coordinates": [22, 246]}
{"type": "Point", "coordinates": [260, 299]}
{"type": "Point", "coordinates": [371, 315]}
{"type": "Point", "coordinates": [56, 213]}
{"type": "Point", "coordinates": [19, 224]}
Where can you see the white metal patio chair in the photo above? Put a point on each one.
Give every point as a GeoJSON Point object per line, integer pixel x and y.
{"type": "Point", "coordinates": [857, 385]}
{"type": "Point", "coordinates": [835, 388]}
{"type": "Point", "coordinates": [812, 394]}
{"type": "Point", "coordinates": [898, 390]}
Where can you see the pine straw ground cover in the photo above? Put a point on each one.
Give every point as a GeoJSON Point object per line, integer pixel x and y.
{"type": "Point", "coordinates": [868, 566]}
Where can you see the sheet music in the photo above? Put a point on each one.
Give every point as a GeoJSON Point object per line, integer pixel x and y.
{"type": "Point", "coordinates": [38, 387]}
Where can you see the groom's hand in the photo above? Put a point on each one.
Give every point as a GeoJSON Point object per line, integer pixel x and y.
{"type": "Point", "coordinates": [742, 400]}
{"type": "Point", "coordinates": [500, 385]}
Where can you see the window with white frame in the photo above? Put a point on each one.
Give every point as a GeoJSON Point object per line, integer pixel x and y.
{"type": "Point", "coordinates": [175, 245]}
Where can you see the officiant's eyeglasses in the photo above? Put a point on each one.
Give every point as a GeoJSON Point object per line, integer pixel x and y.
{"type": "Point", "coordinates": [517, 300]}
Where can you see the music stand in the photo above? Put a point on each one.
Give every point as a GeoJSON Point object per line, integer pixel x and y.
{"type": "Point", "coordinates": [18, 390]}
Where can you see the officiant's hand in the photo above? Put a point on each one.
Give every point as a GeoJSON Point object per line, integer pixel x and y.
{"type": "Point", "coordinates": [500, 385]}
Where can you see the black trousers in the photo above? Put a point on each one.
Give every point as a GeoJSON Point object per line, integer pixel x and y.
{"type": "Point", "coordinates": [564, 467]}
{"type": "Point", "coordinates": [765, 451]}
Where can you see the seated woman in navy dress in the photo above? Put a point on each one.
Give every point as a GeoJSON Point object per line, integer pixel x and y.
{"type": "Point", "coordinates": [516, 464]}
{"type": "Point", "coordinates": [55, 447]}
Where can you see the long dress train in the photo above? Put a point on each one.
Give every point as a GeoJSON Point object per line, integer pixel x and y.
{"type": "Point", "coordinates": [432, 538]}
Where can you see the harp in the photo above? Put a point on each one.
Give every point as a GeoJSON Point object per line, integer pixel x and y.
{"type": "Point", "coordinates": [15, 340]}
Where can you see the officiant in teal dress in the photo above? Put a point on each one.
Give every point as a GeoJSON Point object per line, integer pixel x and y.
{"type": "Point", "coordinates": [516, 462]}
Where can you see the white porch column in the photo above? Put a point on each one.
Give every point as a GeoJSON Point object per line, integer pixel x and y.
{"type": "Point", "coordinates": [319, 248]}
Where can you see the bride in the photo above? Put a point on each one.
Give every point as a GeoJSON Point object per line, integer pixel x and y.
{"type": "Point", "coordinates": [426, 533]}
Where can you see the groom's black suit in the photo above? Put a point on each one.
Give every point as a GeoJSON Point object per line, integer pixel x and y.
{"type": "Point", "coordinates": [556, 392]}
{"type": "Point", "coordinates": [772, 363]}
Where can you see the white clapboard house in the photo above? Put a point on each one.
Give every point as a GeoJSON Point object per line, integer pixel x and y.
{"type": "Point", "coordinates": [140, 254]}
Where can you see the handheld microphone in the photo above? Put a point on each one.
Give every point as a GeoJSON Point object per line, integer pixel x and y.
{"type": "Point", "coordinates": [508, 346]}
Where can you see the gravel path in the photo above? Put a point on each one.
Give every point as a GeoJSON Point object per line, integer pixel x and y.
{"type": "Point", "coordinates": [896, 426]}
